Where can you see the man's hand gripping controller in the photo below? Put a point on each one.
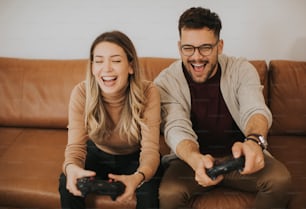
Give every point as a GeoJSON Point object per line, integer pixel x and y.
{"type": "Point", "coordinates": [226, 167]}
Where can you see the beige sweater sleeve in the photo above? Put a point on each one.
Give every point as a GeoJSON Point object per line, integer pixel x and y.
{"type": "Point", "coordinates": [175, 106]}
{"type": "Point", "coordinates": [149, 155]}
{"type": "Point", "coordinates": [75, 152]}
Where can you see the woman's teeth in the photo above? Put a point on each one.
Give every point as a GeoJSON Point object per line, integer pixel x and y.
{"type": "Point", "coordinates": [108, 78]}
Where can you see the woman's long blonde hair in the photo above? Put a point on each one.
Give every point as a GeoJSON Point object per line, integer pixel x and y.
{"type": "Point", "coordinates": [97, 120]}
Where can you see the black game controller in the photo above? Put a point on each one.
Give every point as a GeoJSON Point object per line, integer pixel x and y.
{"type": "Point", "coordinates": [226, 167]}
{"type": "Point", "coordinates": [102, 187]}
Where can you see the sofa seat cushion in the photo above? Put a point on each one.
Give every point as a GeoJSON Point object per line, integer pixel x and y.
{"type": "Point", "coordinates": [30, 165]}
{"type": "Point", "coordinates": [291, 150]}
{"type": "Point", "coordinates": [102, 202]}
{"type": "Point", "coordinates": [227, 199]}
{"type": "Point", "coordinates": [7, 137]}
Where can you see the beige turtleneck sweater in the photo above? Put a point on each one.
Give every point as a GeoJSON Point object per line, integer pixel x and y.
{"type": "Point", "coordinates": [75, 152]}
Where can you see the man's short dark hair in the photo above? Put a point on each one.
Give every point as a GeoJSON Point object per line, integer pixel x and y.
{"type": "Point", "coordinates": [198, 18]}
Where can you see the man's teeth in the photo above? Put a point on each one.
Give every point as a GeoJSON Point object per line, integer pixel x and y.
{"type": "Point", "coordinates": [198, 65]}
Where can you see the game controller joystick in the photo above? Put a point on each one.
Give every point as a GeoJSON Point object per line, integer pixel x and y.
{"type": "Point", "coordinates": [226, 167]}
{"type": "Point", "coordinates": [102, 187]}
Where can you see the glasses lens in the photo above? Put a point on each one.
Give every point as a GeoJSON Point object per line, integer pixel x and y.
{"type": "Point", "coordinates": [187, 50]}
{"type": "Point", "coordinates": [205, 50]}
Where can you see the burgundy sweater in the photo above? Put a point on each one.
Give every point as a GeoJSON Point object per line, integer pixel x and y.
{"type": "Point", "coordinates": [211, 119]}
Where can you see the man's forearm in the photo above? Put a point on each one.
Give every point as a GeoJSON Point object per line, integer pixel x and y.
{"type": "Point", "coordinates": [257, 124]}
{"type": "Point", "coordinates": [188, 151]}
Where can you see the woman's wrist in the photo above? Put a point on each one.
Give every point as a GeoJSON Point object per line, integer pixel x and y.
{"type": "Point", "coordinates": [143, 176]}
{"type": "Point", "coordinates": [65, 169]}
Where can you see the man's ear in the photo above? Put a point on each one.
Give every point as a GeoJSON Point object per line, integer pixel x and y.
{"type": "Point", "coordinates": [220, 46]}
{"type": "Point", "coordinates": [179, 45]}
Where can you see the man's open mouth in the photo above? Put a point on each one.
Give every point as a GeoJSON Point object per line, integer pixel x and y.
{"type": "Point", "coordinates": [199, 66]}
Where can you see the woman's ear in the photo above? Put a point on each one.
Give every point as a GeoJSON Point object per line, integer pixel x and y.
{"type": "Point", "coordinates": [131, 70]}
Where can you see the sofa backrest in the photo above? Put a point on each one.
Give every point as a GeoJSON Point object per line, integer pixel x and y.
{"type": "Point", "coordinates": [287, 97]}
{"type": "Point", "coordinates": [152, 66]}
{"type": "Point", "coordinates": [35, 93]}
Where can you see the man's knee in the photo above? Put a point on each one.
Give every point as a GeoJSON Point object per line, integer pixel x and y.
{"type": "Point", "coordinates": [170, 188]}
{"type": "Point", "coordinates": [278, 180]}
{"type": "Point", "coordinates": [281, 183]}
{"type": "Point", "coordinates": [172, 195]}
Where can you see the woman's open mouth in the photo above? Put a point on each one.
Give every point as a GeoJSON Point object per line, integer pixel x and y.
{"type": "Point", "coordinates": [109, 80]}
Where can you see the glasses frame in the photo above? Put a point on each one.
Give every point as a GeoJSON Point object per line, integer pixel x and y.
{"type": "Point", "coordinates": [208, 47]}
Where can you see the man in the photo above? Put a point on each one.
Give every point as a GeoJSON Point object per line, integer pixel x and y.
{"type": "Point", "coordinates": [213, 108]}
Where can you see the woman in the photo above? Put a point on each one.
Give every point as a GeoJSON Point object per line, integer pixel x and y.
{"type": "Point", "coordinates": [113, 131]}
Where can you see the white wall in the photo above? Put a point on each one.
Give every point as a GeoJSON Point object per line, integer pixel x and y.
{"type": "Point", "coordinates": [65, 29]}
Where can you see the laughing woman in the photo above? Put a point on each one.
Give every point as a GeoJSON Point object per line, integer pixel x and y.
{"type": "Point", "coordinates": [113, 131]}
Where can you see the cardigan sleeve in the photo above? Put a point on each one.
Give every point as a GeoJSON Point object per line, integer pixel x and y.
{"type": "Point", "coordinates": [242, 90]}
{"type": "Point", "coordinates": [175, 105]}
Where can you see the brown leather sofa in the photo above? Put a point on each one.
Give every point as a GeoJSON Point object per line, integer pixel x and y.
{"type": "Point", "coordinates": [33, 118]}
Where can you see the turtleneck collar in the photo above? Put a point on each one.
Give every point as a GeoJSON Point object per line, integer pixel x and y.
{"type": "Point", "coordinates": [115, 99]}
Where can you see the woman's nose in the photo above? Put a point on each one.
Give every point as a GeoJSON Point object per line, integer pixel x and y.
{"type": "Point", "coordinates": [106, 66]}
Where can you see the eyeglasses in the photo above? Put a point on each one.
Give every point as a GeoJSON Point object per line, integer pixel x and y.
{"type": "Point", "coordinates": [204, 50]}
